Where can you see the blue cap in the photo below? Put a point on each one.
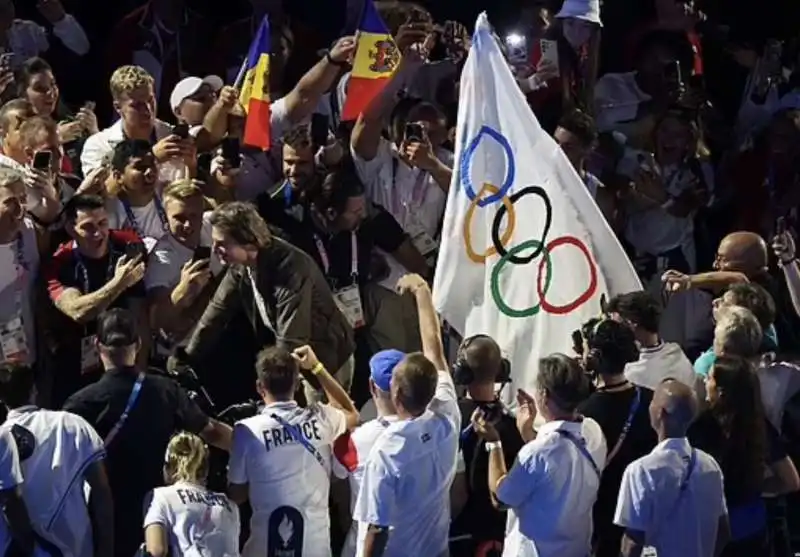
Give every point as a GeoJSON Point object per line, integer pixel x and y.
{"type": "Point", "coordinates": [381, 367]}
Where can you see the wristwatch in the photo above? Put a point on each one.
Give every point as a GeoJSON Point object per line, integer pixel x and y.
{"type": "Point", "coordinates": [492, 445]}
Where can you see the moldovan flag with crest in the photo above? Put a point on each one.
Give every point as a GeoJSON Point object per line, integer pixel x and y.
{"type": "Point", "coordinates": [376, 59]}
{"type": "Point", "coordinates": [254, 96]}
{"type": "Point", "coordinates": [525, 254]}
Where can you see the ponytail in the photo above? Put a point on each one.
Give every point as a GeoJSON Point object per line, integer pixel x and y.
{"type": "Point", "coordinates": [186, 459]}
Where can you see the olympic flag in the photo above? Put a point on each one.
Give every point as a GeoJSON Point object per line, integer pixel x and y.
{"type": "Point", "coordinates": [525, 253]}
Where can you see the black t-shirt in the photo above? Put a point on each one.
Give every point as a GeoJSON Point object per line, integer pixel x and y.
{"type": "Point", "coordinates": [66, 270]}
{"type": "Point", "coordinates": [334, 252]}
{"type": "Point", "coordinates": [135, 457]}
{"type": "Point", "coordinates": [742, 484]}
{"type": "Point", "coordinates": [610, 409]}
{"type": "Point", "coordinates": [479, 518]}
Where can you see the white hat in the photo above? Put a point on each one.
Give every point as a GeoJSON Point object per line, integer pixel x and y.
{"type": "Point", "coordinates": [188, 86]}
{"type": "Point", "coordinates": [587, 10]}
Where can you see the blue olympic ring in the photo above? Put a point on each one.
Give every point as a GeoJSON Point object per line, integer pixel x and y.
{"type": "Point", "coordinates": [466, 167]}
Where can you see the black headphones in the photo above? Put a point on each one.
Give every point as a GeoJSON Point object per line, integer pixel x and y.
{"type": "Point", "coordinates": [463, 375]}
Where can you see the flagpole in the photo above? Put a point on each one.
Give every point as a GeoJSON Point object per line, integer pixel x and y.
{"type": "Point", "coordinates": [240, 76]}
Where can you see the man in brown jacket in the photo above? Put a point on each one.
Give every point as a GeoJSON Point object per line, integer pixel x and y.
{"type": "Point", "coordinates": [279, 288]}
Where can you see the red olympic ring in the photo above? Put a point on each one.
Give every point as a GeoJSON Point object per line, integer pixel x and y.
{"type": "Point", "coordinates": [580, 300]}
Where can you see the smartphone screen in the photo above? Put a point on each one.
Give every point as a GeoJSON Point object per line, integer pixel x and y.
{"type": "Point", "coordinates": [42, 159]}
{"type": "Point", "coordinates": [231, 151]}
{"type": "Point", "coordinates": [517, 49]}
{"type": "Point", "coordinates": [201, 253]}
{"type": "Point", "coordinates": [181, 130]}
{"type": "Point", "coordinates": [319, 130]}
{"type": "Point", "coordinates": [415, 133]}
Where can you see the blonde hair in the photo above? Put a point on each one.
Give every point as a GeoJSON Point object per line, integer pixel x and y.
{"type": "Point", "coordinates": [129, 78]}
{"type": "Point", "coordinates": [184, 189]}
{"type": "Point", "coordinates": [737, 332]}
{"type": "Point", "coordinates": [186, 459]}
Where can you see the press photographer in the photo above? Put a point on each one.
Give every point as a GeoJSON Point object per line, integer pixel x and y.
{"type": "Point", "coordinates": [477, 524]}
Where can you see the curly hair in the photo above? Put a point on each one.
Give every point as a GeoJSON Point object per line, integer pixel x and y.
{"type": "Point", "coordinates": [128, 78]}
{"type": "Point", "coordinates": [612, 346]}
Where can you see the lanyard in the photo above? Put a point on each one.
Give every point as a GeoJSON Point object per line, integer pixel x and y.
{"type": "Point", "coordinates": [80, 267]}
{"type": "Point", "coordinates": [132, 398]}
{"type": "Point", "coordinates": [581, 446]}
{"type": "Point", "coordinates": [689, 470]}
{"type": "Point", "coordinates": [22, 269]}
{"type": "Point", "coordinates": [326, 263]}
{"type": "Point", "coordinates": [637, 399]}
{"type": "Point", "coordinates": [130, 218]}
{"type": "Point", "coordinates": [417, 192]}
{"type": "Point", "coordinates": [297, 435]}
{"type": "Point", "coordinates": [287, 195]}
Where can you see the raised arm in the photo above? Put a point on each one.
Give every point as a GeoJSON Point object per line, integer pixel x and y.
{"type": "Point", "coordinates": [430, 329]}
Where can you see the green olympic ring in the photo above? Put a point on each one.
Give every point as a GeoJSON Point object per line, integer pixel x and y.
{"type": "Point", "coordinates": [495, 281]}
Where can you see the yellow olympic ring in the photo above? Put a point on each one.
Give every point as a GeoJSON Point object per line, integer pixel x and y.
{"type": "Point", "coordinates": [504, 239]}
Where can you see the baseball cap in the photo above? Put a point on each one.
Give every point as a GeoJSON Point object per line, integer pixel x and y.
{"type": "Point", "coordinates": [188, 86]}
{"type": "Point", "coordinates": [382, 365]}
{"type": "Point", "coordinates": [117, 328]}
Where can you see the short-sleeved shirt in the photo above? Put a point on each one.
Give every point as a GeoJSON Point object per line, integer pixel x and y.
{"type": "Point", "coordinates": [66, 270]}
{"type": "Point", "coordinates": [407, 478]}
{"type": "Point", "coordinates": [10, 475]}
{"type": "Point", "coordinates": [56, 450]}
{"type": "Point", "coordinates": [659, 362]}
{"type": "Point", "coordinates": [289, 481]}
{"type": "Point", "coordinates": [17, 293]}
{"type": "Point", "coordinates": [135, 458]}
{"type": "Point", "coordinates": [677, 523]}
{"type": "Point", "coordinates": [611, 409]}
{"type": "Point", "coordinates": [148, 220]}
{"type": "Point", "coordinates": [197, 521]}
{"type": "Point", "coordinates": [551, 489]}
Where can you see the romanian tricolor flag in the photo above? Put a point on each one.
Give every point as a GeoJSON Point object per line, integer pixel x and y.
{"type": "Point", "coordinates": [255, 91]}
{"type": "Point", "coordinates": [376, 59]}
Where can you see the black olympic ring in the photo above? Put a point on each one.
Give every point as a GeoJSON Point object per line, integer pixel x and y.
{"type": "Point", "coordinates": [498, 220]}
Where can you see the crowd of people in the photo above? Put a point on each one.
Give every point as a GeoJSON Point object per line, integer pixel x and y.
{"type": "Point", "coordinates": [208, 349]}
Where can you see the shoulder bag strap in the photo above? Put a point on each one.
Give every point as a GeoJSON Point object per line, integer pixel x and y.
{"type": "Point", "coordinates": [297, 435]}
{"type": "Point", "coordinates": [132, 398]}
{"type": "Point", "coordinates": [637, 399]}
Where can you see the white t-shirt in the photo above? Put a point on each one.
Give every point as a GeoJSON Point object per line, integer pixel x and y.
{"type": "Point", "coordinates": [57, 449]}
{"type": "Point", "coordinates": [676, 523]}
{"type": "Point", "coordinates": [10, 476]}
{"type": "Point", "coordinates": [406, 480]}
{"type": "Point", "coordinates": [199, 522]}
{"type": "Point", "coordinates": [362, 440]}
{"type": "Point", "coordinates": [658, 363]}
{"type": "Point", "coordinates": [150, 221]}
{"type": "Point", "coordinates": [411, 195]}
{"type": "Point", "coordinates": [98, 146]}
{"type": "Point", "coordinates": [169, 256]}
{"type": "Point", "coordinates": [288, 486]}
{"type": "Point", "coordinates": [12, 299]}
{"type": "Point", "coordinates": [550, 491]}
{"type": "Point", "coordinates": [616, 100]}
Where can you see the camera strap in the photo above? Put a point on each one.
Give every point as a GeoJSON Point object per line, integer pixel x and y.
{"type": "Point", "coordinates": [132, 398]}
{"type": "Point", "coordinates": [637, 399]}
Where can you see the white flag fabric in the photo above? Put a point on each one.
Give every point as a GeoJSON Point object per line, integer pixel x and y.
{"type": "Point", "coordinates": [525, 253]}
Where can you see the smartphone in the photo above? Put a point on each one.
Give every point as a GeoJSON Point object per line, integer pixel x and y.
{"type": "Point", "coordinates": [181, 129]}
{"type": "Point", "coordinates": [517, 49]}
{"type": "Point", "coordinates": [549, 50]}
{"type": "Point", "coordinates": [414, 133]}
{"type": "Point", "coordinates": [673, 74]}
{"type": "Point", "coordinates": [6, 60]}
{"type": "Point", "coordinates": [319, 130]}
{"type": "Point", "coordinates": [201, 253]}
{"type": "Point", "coordinates": [42, 160]}
{"type": "Point", "coordinates": [780, 226]}
{"type": "Point", "coordinates": [231, 151]}
{"type": "Point", "coordinates": [135, 249]}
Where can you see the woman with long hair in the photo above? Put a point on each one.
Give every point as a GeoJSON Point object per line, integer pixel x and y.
{"type": "Point", "coordinates": [734, 430]}
{"type": "Point", "coordinates": [185, 518]}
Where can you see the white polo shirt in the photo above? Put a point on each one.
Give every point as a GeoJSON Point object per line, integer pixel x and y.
{"type": "Point", "coordinates": [658, 363]}
{"type": "Point", "coordinates": [10, 476]}
{"type": "Point", "coordinates": [409, 194]}
{"type": "Point", "coordinates": [352, 463]}
{"type": "Point", "coordinates": [677, 523]}
{"type": "Point", "coordinates": [197, 521]}
{"type": "Point", "coordinates": [288, 486]}
{"type": "Point", "coordinates": [550, 492]}
{"type": "Point", "coordinates": [18, 293]}
{"type": "Point", "coordinates": [406, 480]}
{"type": "Point", "coordinates": [57, 449]}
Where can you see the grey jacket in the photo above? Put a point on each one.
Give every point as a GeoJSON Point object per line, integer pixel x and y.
{"type": "Point", "coordinates": [299, 305]}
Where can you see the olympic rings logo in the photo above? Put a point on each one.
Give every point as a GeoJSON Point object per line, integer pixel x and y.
{"type": "Point", "coordinates": [490, 194]}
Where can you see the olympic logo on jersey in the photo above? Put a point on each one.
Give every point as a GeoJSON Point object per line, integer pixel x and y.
{"type": "Point", "coordinates": [492, 195]}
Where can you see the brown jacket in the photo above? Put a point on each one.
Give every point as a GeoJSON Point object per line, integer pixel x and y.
{"type": "Point", "coordinates": [299, 303]}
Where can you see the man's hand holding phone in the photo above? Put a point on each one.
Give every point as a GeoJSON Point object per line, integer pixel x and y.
{"type": "Point", "coordinates": [87, 118]}
{"type": "Point", "coordinates": [129, 271]}
{"type": "Point", "coordinates": [168, 148]}
{"type": "Point", "coordinates": [195, 275]}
